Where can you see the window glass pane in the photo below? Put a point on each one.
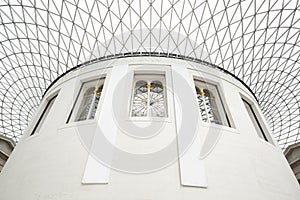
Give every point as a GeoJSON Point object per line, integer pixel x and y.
{"type": "Point", "coordinates": [85, 104]}
{"type": "Point", "coordinates": [212, 108]}
{"type": "Point", "coordinates": [140, 99]}
{"type": "Point", "coordinates": [201, 103]}
{"type": "Point", "coordinates": [96, 101]}
{"type": "Point", "coordinates": [157, 99]}
{"type": "Point", "coordinates": [149, 98]}
{"type": "Point", "coordinates": [87, 101]}
{"type": "Point", "coordinates": [210, 104]}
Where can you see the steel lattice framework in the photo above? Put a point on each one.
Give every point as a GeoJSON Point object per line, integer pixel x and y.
{"type": "Point", "coordinates": [257, 41]}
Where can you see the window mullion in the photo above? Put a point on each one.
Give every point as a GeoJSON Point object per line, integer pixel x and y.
{"type": "Point", "coordinates": [148, 100]}
{"type": "Point", "coordinates": [165, 100]}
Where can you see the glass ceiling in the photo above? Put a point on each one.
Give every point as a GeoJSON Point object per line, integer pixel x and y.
{"type": "Point", "coordinates": [257, 41]}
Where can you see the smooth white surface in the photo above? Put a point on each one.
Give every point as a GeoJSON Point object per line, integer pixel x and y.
{"type": "Point", "coordinates": [95, 172]}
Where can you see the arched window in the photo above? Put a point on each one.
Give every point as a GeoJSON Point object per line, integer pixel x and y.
{"type": "Point", "coordinates": [85, 104]}
{"type": "Point", "coordinates": [210, 105]}
{"type": "Point", "coordinates": [149, 98]}
{"type": "Point", "coordinates": [87, 101]}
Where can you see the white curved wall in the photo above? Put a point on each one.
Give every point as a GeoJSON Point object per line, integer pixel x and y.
{"type": "Point", "coordinates": [222, 162]}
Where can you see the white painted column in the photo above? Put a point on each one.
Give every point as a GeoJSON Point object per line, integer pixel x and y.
{"type": "Point", "coordinates": [192, 170]}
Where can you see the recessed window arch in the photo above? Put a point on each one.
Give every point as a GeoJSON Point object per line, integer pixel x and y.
{"type": "Point", "coordinates": [210, 104]}
{"type": "Point", "coordinates": [44, 114]}
{"type": "Point", "coordinates": [149, 96]}
{"type": "Point", "coordinates": [258, 125]}
{"type": "Point", "coordinates": [86, 104]}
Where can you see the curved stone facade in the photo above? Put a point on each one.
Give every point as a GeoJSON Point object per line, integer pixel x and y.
{"type": "Point", "coordinates": [211, 142]}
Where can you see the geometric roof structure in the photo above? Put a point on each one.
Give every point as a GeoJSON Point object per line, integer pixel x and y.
{"type": "Point", "coordinates": [256, 41]}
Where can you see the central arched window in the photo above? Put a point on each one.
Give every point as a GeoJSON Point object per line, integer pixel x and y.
{"type": "Point", "coordinates": [149, 96]}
